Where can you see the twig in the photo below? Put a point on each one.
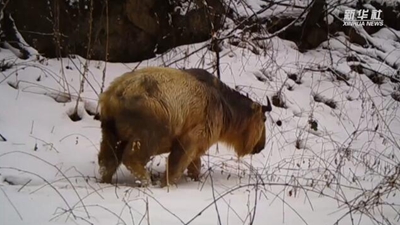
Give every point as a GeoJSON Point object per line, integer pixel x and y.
{"type": "Point", "coordinates": [2, 138]}
{"type": "Point", "coordinates": [12, 204]}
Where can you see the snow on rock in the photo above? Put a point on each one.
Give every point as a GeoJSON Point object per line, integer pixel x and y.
{"type": "Point", "coordinates": [388, 34]}
{"type": "Point", "coordinates": [245, 8]}
{"type": "Point", "coordinates": [186, 7]}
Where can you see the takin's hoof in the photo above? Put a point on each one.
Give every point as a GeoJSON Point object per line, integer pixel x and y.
{"type": "Point", "coordinates": [164, 182]}
{"type": "Point", "coordinates": [142, 182]}
{"type": "Point", "coordinates": [105, 180]}
{"type": "Point", "coordinates": [194, 177]}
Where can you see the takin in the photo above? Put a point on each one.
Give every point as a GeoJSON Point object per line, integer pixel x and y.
{"type": "Point", "coordinates": [159, 110]}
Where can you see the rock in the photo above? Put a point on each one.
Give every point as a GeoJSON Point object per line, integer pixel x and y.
{"type": "Point", "coordinates": [137, 29]}
{"type": "Point", "coordinates": [390, 14]}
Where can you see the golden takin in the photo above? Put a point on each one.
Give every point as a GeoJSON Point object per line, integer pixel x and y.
{"type": "Point", "coordinates": [159, 110]}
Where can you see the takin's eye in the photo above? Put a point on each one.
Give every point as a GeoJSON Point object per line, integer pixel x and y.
{"type": "Point", "coordinates": [264, 118]}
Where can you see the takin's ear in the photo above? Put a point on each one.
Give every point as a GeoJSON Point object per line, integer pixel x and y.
{"type": "Point", "coordinates": [256, 107]}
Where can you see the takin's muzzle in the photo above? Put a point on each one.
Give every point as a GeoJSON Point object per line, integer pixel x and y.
{"type": "Point", "coordinates": [260, 145]}
{"type": "Point", "coordinates": [258, 148]}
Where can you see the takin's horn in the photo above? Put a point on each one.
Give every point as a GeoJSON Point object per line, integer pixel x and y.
{"type": "Point", "coordinates": [268, 107]}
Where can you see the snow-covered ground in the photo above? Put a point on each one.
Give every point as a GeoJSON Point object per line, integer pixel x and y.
{"type": "Point", "coordinates": [333, 156]}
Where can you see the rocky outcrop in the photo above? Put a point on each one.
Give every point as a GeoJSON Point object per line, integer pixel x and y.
{"type": "Point", "coordinates": [315, 30]}
{"type": "Point", "coordinates": [118, 30]}
{"type": "Point", "coordinates": [391, 13]}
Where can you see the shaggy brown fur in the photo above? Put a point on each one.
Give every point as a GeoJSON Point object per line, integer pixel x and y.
{"type": "Point", "coordinates": [182, 112]}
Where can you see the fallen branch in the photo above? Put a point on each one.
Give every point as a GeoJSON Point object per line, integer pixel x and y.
{"type": "Point", "coordinates": [2, 138]}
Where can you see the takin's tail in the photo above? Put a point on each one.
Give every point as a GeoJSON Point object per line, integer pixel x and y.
{"type": "Point", "coordinates": [109, 105]}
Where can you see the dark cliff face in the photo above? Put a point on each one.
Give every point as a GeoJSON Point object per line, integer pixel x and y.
{"type": "Point", "coordinates": [133, 30]}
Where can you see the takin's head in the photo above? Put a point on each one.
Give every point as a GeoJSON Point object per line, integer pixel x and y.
{"type": "Point", "coordinates": [252, 137]}
{"type": "Point", "coordinates": [260, 120]}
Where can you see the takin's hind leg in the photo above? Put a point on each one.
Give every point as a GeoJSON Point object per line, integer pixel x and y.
{"type": "Point", "coordinates": [194, 169]}
{"type": "Point", "coordinates": [109, 159]}
{"type": "Point", "coordinates": [111, 150]}
{"type": "Point", "coordinates": [135, 159]}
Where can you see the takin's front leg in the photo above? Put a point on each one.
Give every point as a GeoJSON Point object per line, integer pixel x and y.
{"type": "Point", "coordinates": [184, 151]}
{"type": "Point", "coordinates": [178, 161]}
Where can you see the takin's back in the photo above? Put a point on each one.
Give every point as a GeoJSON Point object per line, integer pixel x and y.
{"type": "Point", "coordinates": [166, 94]}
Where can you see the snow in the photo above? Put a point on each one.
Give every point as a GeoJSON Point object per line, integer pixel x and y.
{"type": "Point", "coordinates": [387, 34]}
{"type": "Point", "coordinates": [48, 165]}
{"type": "Point", "coordinates": [293, 8]}
{"type": "Point", "coordinates": [249, 7]}
{"type": "Point", "coordinates": [386, 49]}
